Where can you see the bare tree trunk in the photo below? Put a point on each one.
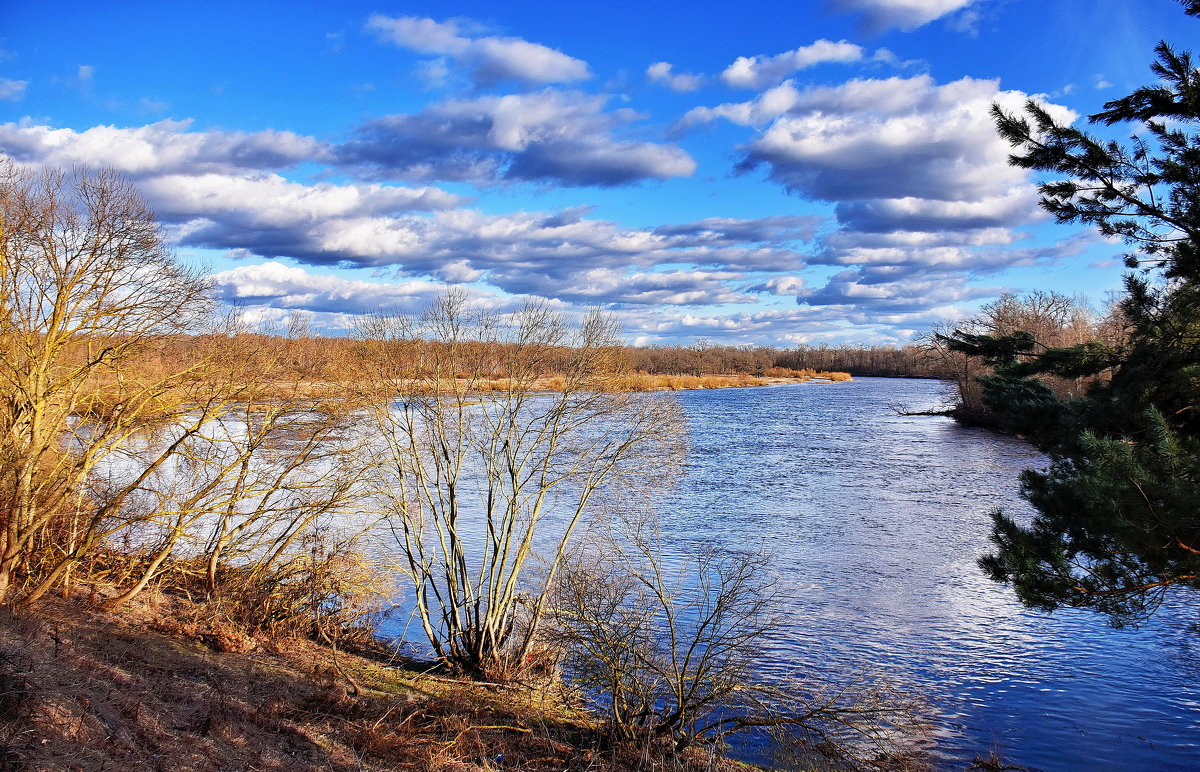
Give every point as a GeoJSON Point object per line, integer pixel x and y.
{"type": "Point", "coordinates": [479, 441]}
{"type": "Point", "coordinates": [47, 583]}
{"type": "Point", "coordinates": [147, 575]}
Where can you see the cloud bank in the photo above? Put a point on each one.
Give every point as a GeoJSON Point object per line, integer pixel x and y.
{"type": "Point", "coordinates": [564, 137]}
{"type": "Point", "coordinates": [924, 197]}
{"type": "Point", "coordinates": [920, 213]}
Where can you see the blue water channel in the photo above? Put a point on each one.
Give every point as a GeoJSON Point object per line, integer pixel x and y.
{"type": "Point", "coordinates": [875, 520]}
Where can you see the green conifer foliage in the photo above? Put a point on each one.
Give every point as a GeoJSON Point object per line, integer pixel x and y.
{"type": "Point", "coordinates": [1118, 509]}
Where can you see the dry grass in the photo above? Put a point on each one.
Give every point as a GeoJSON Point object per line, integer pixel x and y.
{"type": "Point", "coordinates": [774, 375]}
{"type": "Point", "coordinates": [151, 689]}
{"type": "Point", "coordinates": [637, 381]}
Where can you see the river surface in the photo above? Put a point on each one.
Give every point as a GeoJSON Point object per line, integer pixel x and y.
{"type": "Point", "coordinates": [875, 521]}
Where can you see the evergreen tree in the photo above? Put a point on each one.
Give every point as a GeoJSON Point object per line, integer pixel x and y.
{"type": "Point", "coordinates": [1118, 509]}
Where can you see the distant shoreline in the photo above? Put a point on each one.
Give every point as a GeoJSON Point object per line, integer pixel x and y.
{"type": "Point", "coordinates": [646, 382]}
{"type": "Point", "coordinates": [629, 382]}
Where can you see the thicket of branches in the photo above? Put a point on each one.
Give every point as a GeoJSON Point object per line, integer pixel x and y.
{"type": "Point", "coordinates": [671, 648]}
{"type": "Point", "coordinates": [1046, 320]}
{"type": "Point", "coordinates": [133, 448]}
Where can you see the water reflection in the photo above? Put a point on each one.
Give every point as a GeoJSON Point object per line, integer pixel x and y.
{"type": "Point", "coordinates": [876, 520]}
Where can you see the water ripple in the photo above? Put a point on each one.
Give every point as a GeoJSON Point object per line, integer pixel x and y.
{"type": "Point", "coordinates": [876, 520]}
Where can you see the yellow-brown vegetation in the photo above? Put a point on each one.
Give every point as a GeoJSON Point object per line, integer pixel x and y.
{"type": "Point", "coordinates": [152, 688]}
{"type": "Point", "coordinates": [776, 375]}
{"type": "Point", "coordinates": [322, 366]}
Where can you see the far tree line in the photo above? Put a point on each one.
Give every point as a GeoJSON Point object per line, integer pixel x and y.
{"type": "Point", "coordinates": [295, 355]}
{"type": "Point", "coordinates": [299, 354]}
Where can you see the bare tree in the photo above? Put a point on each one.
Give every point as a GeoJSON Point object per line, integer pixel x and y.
{"type": "Point", "coordinates": [1051, 319]}
{"type": "Point", "coordinates": [503, 430]}
{"type": "Point", "coordinates": [103, 436]}
{"type": "Point", "coordinates": [86, 285]}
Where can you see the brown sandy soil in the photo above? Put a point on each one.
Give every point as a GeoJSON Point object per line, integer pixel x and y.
{"type": "Point", "coordinates": [165, 686]}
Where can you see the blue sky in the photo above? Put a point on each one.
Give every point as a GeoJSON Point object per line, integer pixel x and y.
{"type": "Point", "coordinates": [751, 172]}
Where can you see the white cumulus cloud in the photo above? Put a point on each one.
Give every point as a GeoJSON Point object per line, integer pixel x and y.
{"type": "Point", "coordinates": [158, 148]}
{"type": "Point", "coordinates": [268, 200]}
{"type": "Point", "coordinates": [890, 138]}
{"type": "Point", "coordinates": [566, 137]}
{"type": "Point", "coordinates": [489, 59]}
{"type": "Point", "coordinates": [758, 71]}
{"type": "Point", "coordinates": [879, 15]}
{"type": "Point", "coordinates": [274, 285]}
{"type": "Point", "coordinates": [663, 74]}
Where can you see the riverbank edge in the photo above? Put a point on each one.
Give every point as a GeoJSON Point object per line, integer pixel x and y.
{"type": "Point", "coordinates": [637, 382]}
{"type": "Point", "coordinates": [163, 683]}
{"type": "Point", "coordinates": [741, 380]}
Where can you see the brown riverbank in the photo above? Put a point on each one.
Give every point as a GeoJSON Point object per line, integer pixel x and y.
{"type": "Point", "coordinates": [168, 684]}
{"type": "Point", "coordinates": [637, 381]}
{"type": "Point", "coordinates": [648, 382]}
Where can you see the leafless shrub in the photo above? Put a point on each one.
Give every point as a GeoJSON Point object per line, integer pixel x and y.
{"type": "Point", "coordinates": [673, 656]}
{"type": "Point", "coordinates": [331, 590]}
{"type": "Point", "coordinates": [484, 479]}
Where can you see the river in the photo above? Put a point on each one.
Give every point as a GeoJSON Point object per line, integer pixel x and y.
{"type": "Point", "coordinates": [875, 521]}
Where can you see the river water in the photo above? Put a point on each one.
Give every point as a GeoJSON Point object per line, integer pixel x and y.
{"type": "Point", "coordinates": [875, 521]}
